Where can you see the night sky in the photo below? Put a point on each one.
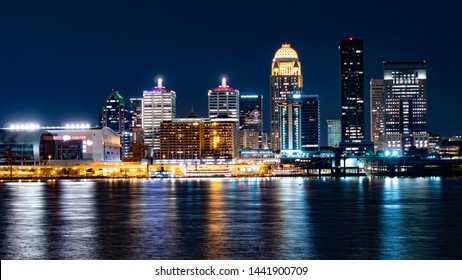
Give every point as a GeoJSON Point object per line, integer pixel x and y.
{"type": "Point", "coordinates": [60, 59]}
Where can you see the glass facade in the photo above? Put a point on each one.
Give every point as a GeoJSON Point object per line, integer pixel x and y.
{"type": "Point", "coordinates": [405, 105]}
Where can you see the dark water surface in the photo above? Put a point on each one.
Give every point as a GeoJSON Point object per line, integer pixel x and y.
{"type": "Point", "coordinates": [352, 218]}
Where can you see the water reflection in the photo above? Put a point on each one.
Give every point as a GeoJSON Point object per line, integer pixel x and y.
{"type": "Point", "coordinates": [294, 218]}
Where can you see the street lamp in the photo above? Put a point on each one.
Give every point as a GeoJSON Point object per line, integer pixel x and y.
{"type": "Point", "coordinates": [49, 158]}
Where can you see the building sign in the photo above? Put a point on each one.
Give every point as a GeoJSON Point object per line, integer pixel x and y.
{"type": "Point", "coordinates": [66, 137]}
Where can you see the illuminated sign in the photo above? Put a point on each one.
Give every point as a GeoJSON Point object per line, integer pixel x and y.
{"type": "Point", "coordinates": [69, 137]}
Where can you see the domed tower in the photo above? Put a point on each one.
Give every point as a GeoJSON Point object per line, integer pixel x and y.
{"type": "Point", "coordinates": [286, 79]}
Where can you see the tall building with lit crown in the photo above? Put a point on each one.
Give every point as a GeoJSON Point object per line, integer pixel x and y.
{"type": "Point", "coordinates": [116, 116]}
{"type": "Point", "coordinates": [334, 132]}
{"type": "Point", "coordinates": [223, 101]}
{"type": "Point", "coordinates": [159, 104]}
{"type": "Point", "coordinates": [285, 80]}
{"type": "Point", "coordinates": [352, 88]}
{"type": "Point", "coordinates": [251, 121]}
{"type": "Point", "coordinates": [376, 107]}
{"type": "Point", "coordinates": [405, 105]}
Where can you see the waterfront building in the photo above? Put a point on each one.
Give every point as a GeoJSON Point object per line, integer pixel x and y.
{"type": "Point", "coordinates": [290, 123]}
{"type": "Point", "coordinates": [450, 148]}
{"type": "Point", "coordinates": [223, 101]}
{"type": "Point", "coordinates": [159, 104]}
{"type": "Point", "coordinates": [59, 145]}
{"type": "Point", "coordinates": [433, 139]}
{"type": "Point", "coordinates": [221, 140]}
{"type": "Point", "coordinates": [377, 116]}
{"type": "Point", "coordinates": [334, 132]}
{"type": "Point", "coordinates": [405, 105]}
{"type": "Point", "coordinates": [286, 79]}
{"type": "Point", "coordinates": [251, 121]}
{"type": "Point", "coordinates": [199, 140]}
{"type": "Point", "coordinates": [116, 116]}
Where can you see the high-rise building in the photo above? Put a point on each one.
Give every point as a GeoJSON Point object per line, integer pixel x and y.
{"type": "Point", "coordinates": [334, 132]}
{"type": "Point", "coordinates": [136, 120]}
{"type": "Point", "coordinates": [377, 122]}
{"type": "Point", "coordinates": [310, 124]}
{"type": "Point", "coordinates": [405, 105]}
{"type": "Point", "coordinates": [251, 120]}
{"type": "Point", "coordinates": [159, 104]}
{"type": "Point", "coordinates": [224, 101]}
{"type": "Point", "coordinates": [285, 80]}
{"type": "Point", "coordinates": [300, 122]}
{"type": "Point", "coordinates": [352, 88]}
{"type": "Point", "coordinates": [352, 98]}
{"type": "Point", "coordinates": [116, 116]}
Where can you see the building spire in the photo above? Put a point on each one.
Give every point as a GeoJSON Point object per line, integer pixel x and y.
{"type": "Point", "coordinates": [223, 82]}
{"type": "Point", "coordinates": [159, 82]}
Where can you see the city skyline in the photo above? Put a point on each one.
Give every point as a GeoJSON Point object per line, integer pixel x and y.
{"type": "Point", "coordinates": [51, 58]}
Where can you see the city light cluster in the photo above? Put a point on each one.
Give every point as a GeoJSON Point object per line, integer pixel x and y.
{"type": "Point", "coordinates": [24, 126]}
{"type": "Point", "coordinates": [77, 125]}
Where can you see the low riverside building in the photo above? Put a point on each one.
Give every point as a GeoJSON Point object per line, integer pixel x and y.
{"type": "Point", "coordinates": [199, 140]}
{"type": "Point", "coordinates": [58, 145]}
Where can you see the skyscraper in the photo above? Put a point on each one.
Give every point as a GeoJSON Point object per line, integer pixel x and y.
{"type": "Point", "coordinates": [377, 123]}
{"type": "Point", "coordinates": [224, 101]}
{"type": "Point", "coordinates": [251, 120]}
{"type": "Point", "coordinates": [159, 104]}
{"type": "Point", "coordinates": [405, 105]}
{"type": "Point", "coordinates": [285, 80]}
{"type": "Point", "coordinates": [352, 89]}
{"type": "Point", "coordinates": [115, 116]}
{"type": "Point", "coordinates": [334, 132]}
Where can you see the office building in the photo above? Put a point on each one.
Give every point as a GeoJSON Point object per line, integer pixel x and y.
{"type": "Point", "coordinates": [405, 105]}
{"type": "Point", "coordinates": [285, 80]}
{"type": "Point", "coordinates": [334, 132]}
{"type": "Point", "coordinates": [352, 88]}
{"type": "Point", "coordinates": [116, 116]}
{"type": "Point", "coordinates": [352, 98]}
{"type": "Point", "coordinates": [251, 121]}
{"type": "Point", "coordinates": [159, 104]}
{"type": "Point", "coordinates": [310, 124]}
{"type": "Point", "coordinates": [377, 116]}
{"type": "Point", "coordinates": [199, 140]}
{"type": "Point", "coordinates": [300, 122]}
{"type": "Point", "coordinates": [223, 101]}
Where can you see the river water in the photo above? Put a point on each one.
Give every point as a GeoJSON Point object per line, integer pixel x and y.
{"type": "Point", "coordinates": [287, 218]}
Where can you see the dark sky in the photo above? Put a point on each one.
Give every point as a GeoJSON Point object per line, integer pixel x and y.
{"type": "Point", "coordinates": [60, 59]}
